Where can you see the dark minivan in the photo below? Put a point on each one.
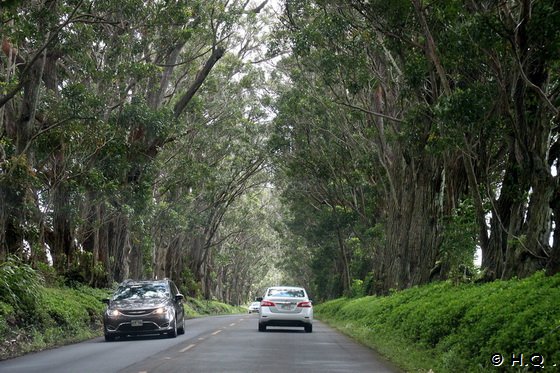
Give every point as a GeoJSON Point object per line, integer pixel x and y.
{"type": "Point", "coordinates": [144, 307]}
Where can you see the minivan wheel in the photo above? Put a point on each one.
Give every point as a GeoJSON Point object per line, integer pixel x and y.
{"type": "Point", "coordinates": [308, 328]}
{"type": "Point", "coordinates": [181, 330]}
{"type": "Point", "coordinates": [173, 332]}
{"type": "Point", "coordinates": [109, 338]}
{"type": "Point", "coordinates": [262, 327]}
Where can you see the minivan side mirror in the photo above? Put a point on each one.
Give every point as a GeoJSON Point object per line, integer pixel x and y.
{"type": "Point", "coordinates": [179, 297]}
{"type": "Point", "coordinates": [106, 300]}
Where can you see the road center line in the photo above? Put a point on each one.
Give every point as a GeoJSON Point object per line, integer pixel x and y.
{"type": "Point", "coordinates": [232, 324]}
{"type": "Point", "coordinates": [188, 347]}
{"type": "Point", "coordinates": [216, 332]}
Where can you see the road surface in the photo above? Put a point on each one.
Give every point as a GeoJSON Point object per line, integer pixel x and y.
{"type": "Point", "coordinates": [211, 344]}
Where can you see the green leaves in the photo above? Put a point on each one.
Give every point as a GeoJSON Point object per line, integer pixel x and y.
{"type": "Point", "coordinates": [456, 328]}
{"type": "Point", "coordinates": [20, 286]}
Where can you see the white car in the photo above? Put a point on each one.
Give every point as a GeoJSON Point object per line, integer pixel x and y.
{"type": "Point", "coordinates": [254, 307]}
{"type": "Point", "coordinates": [286, 306]}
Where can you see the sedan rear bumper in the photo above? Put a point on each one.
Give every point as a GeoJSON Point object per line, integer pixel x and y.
{"type": "Point", "coordinates": [276, 322]}
{"type": "Point", "coordinates": [303, 318]}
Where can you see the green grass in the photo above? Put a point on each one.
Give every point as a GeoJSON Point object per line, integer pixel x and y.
{"type": "Point", "coordinates": [456, 328]}
{"type": "Point", "coordinates": [59, 316]}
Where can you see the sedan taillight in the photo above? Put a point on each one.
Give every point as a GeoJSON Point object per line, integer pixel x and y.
{"type": "Point", "coordinates": [304, 305]}
{"type": "Point", "coordinates": [267, 303]}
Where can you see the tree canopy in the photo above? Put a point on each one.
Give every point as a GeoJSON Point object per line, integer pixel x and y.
{"type": "Point", "coordinates": [410, 133]}
{"type": "Point", "coordinates": [352, 147]}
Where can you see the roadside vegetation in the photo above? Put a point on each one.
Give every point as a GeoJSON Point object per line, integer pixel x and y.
{"type": "Point", "coordinates": [217, 142]}
{"type": "Point", "coordinates": [350, 147]}
{"type": "Point", "coordinates": [38, 311]}
{"type": "Point", "coordinates": [446, 327]}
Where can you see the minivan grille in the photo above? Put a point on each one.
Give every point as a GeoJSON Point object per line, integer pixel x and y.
{"type": "Point", "coordinates": [147, 326]}
{"type": "Point", "coordinates": [136, 312]}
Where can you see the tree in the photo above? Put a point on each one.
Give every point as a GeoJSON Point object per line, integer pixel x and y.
{"type": "Point", "coordinates": [94, 93]}
{"type": "Point", "coordinates": [437, 125]}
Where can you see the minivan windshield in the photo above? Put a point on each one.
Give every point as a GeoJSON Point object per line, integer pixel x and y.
{"type": "Point", "coordinates": [141, 291]}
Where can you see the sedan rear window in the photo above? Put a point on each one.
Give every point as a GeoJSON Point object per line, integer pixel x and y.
{"type": "Point", "coordinates": [291, 293]}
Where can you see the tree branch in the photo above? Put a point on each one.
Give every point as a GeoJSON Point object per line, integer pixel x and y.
{"type": "Point", "coordinates": [180, 106]}
{"type": "Point", "coordinates": [385, 116]}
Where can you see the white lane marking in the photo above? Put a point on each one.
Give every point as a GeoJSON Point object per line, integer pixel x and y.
{"type": "Point", "coordinates": [187, 348]}
{"type": "Point", "coordinates": [232, 324]}
{"type": "Point", "coordinates": [216, 332]}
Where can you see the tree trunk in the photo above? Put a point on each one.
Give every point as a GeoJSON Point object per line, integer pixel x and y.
{"type": "Point", "coordinates": [553, 264]}
{"type": "Point", "coordinates": [62, 247]}
{"type": "Point", "coordinates": [412, 241]}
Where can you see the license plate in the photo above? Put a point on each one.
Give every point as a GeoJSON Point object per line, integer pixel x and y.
{"type": "Point", "coordinates": [136, 323]}
{"type": "Point", "coordinates": [285, 306]}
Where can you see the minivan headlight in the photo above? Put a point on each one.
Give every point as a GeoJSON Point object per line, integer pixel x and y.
{"type": "Point", "coordinates": [161, 310]}
{"type": "Point", "coordinates": [113, 313]}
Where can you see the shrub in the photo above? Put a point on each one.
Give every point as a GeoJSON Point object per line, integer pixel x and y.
{"type": "Point", "coordinates": [357, 289]}
{"type": "Point", "coordinates": [20, 286]}
{"type": "Point", "coordinates": [457, 328]}
{"type": "Point", "coordinates": [48, 274]}
{"type": "Point", "coordinates": [74, 308]}
{"type": "Point", "coordinates": [6, 314]}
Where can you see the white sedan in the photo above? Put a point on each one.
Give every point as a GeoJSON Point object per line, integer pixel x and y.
{"type": "Point", "coordinates": [254, 307]}
{"type": "Point", "coordinates": [286, 306]}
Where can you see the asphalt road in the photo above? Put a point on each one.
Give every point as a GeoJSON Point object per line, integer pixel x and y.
{"type": "Point", "coordinates": [211, 344]}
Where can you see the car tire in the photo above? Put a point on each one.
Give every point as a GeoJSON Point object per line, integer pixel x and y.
{"type": "Point", "coordinates": [109, 338]}
{"type": "Point", "coordinates": [308, 328]}
{"type": "Point", "coordinates": [173, 332]}
{"type": "Point", "coordinates": [262, 327]}
{"type": "Point", "coordinates": [181, 330]}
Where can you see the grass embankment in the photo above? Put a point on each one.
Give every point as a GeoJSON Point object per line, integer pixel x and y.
{"type": "Point", "coordinates": [54, 317]}
{"type": "Point", "coordinates": [34, 317]}
{"type": "Point", "coordinates": [458, 328]}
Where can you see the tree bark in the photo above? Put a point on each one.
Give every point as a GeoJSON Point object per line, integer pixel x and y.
{"type": "Point", "coordinates": [412, 242]}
